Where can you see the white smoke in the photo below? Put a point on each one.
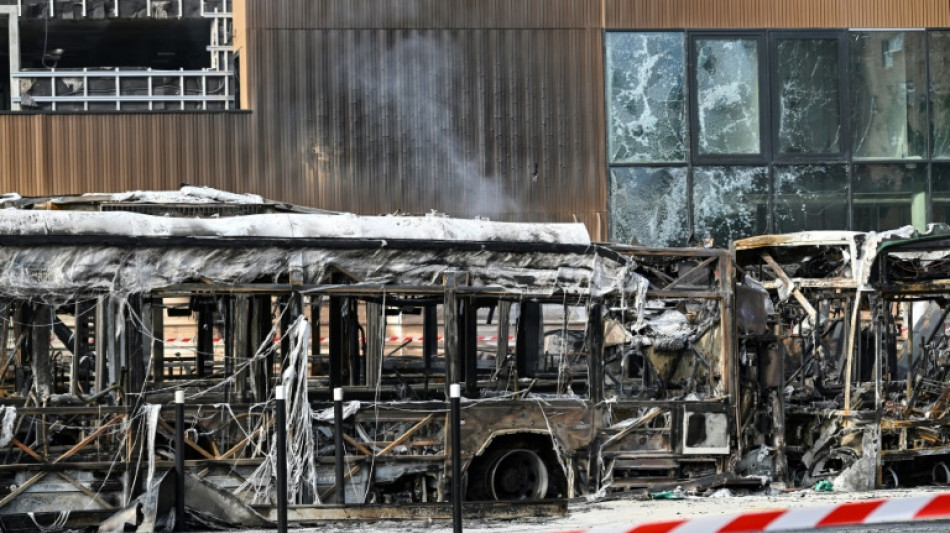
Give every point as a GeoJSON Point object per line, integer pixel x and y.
{"type": "Point", "coordinates": [418, 84]}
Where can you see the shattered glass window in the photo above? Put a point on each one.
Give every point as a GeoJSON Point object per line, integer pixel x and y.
{"type": "Point", "coordinates": [727, 96]}
{"type": "Point", "coordinates": [889, 196]}
{"type": "Point", "coordinates": [647, 114]}
{"type": "Point", "coordinates": [941, 193]}
{"type": "Point", "coordinates": [811, 197]}
{"type": "Point", "coordinates": [730, 202]}
{"type": "Point", "coordinates": [888, 96]}
{"type": "Point", "coordinates": [809, 100]}
{"type": "Point", "coordinates": [649, 205]}
{"type": "Point", "coordinates": [940, 92]}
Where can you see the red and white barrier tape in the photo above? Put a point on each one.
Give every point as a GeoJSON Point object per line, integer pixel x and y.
{"type": "Point", "coordinates": [932, 507]}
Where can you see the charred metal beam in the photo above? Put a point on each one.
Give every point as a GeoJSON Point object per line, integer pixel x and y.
{"type": "Point", "coordinates": [451, 325]}
{"type": "Point", "coordinates": [430, 341]}
{"type": "Point", "coordinates": [781, 275]}
{"type": "Point", "coordinates": [41, 321]}
{"type": "Point", "coordinates": [468, 344]}
{"type": "Point", "coordinates": [504, 316]}
{"type": "Point", "coordinates": [529, 342]}
{"type": "Point", "coordinates": [595, 348]}
{"type": "Point", "coordinates": [243, 350]}
{"type": "Point", "coordinates": [337, 341]}
{"type": "Point", "coordinates": [205, 337]}
{"type": "Point", "coordinates": [375, 341]}
{"type": "Point", "coordinates": [351, 342]}
{"type": "Point", "coordinates": [316, 328]}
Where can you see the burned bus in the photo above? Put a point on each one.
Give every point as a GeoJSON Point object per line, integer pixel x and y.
{"type": "Point", "coordinates": [850, 368]}
{"type": "Point", "coordinates": [584, 368]}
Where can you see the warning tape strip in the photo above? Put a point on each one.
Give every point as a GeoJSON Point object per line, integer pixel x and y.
{"type": "Point", "coordinates": [847, 514]}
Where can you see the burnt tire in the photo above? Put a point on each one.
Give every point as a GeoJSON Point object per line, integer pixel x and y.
{"type": "Point", "coordinates": [506, 473]}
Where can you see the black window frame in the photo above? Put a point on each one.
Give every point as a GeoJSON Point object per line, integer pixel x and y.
{"type": "Point", "coordinates": [769, 156]}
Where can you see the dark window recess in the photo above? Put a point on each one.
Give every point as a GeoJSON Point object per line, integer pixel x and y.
{"type": "Point", "coordinates": [808, 96]}
{"type": "Point", "coordinates": [941, 192]}
{"type": "Point", "coordinates": [4, 63]}
{"type": "Point", "coordinates": [888, 96]}
{"type": "Point", "coordinates": [810, 197]}
{"type": "Point", "coordinates": [889, 196]}
{"type": "Point", "coordinates": [161, 44]}
{"type": "Point", "coordinates": [695, 430]}
{"type": "Point", "coordinates": [940, 93]}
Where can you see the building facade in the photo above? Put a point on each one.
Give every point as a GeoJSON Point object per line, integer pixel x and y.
{"type": "Point", "coordinates": [664, 121]}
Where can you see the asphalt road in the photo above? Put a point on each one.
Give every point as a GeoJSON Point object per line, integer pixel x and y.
{"type": "Point", "coordinates": [628, 513]}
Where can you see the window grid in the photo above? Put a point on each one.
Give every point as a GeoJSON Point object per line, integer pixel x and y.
{"type": "Point", "coordinates": [918, 171]}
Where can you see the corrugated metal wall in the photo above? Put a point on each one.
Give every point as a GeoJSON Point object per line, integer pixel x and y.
{"type": "Point", "coordinates": [502, 123]}
{"type": "Point", "coordinates": [777, 13]}
{"type": "Point", "coordinates": [418, 14]}
{"type": "Point", "coordinates": [62, 154]}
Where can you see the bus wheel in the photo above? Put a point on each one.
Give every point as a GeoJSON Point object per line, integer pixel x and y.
{"type": "Point", "coordinates": [518, 475]}
{"type": "Point", "coordinates": [941, 474]}
{"type": "Point", "coordinates": [890, 480]}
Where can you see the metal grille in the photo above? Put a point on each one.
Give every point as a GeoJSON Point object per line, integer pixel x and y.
{"type": "Point", "coordinates": [188, 210]}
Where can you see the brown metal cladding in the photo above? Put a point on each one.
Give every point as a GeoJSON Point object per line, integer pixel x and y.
{"type": "Point", "coordinates": [505, 123]}
{"type": "Point", "coordinates": [422, 14]}
{"type": "Point", "coordinates": [60, 154]}
{"type": "Point", "coordinates": [776, 13]}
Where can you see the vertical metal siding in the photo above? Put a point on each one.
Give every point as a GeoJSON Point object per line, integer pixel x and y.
{"type": "Point", "coordinates": [60, 154]}
{"type": "Point", "coordinates": [428, 14]}
{"type": "Point", "coordinates": [508, 104]}
{"type": "Point", "coordinates": [776, 13]}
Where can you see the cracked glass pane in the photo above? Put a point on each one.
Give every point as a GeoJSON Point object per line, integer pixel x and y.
{"type": "Point", "coordinates": [940, 91]}
{"type": "Point", "coordinates": [941, 193]}
{"type": "Point", "coordinates": [649, 204]}
{"type": "Point", "coordinates": [888, 100]}
{"type": "Point", "coordinates": [809, 102]}
{"type": "Point", "coordinates": [727, 96]}
{"type": "Point", "coordinates": [730, 202]}
{"type": "Point", "coordinates": [890, 196]}
{"type": "Point", "coordinates": [811, 197]}
{"type": "Point", "coordinates": [645, 97]}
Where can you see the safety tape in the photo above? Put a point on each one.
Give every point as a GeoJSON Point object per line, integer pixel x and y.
{"type": "Point", "coordinates": [933, 507]}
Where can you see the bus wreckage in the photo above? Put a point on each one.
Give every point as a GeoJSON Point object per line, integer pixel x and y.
{"type": "Point", "coordinates": [585, 368]}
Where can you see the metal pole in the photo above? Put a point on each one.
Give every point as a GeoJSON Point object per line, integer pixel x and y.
{"type": "Point", "coordinates": [281, 459]}
{"type": "Point", "coordinates": [455, 394]}
{"type": "Point", "coordinates": [179, 460]}
{"type": "Point", "coordinates": [338, 443]}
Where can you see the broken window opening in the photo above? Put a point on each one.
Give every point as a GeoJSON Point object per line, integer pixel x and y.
{"type": "Point", "coordinates": [809, 100]}
{"type": "Point", "coordinates": [646, 97]}
{"type": "Point", "coordinates": [159, 44]}
{"type": "Point", "coordinates": [649, 206]}
{"type": "Point", "coordinates": [888, 104]}
{"type": "Point", "coordinates": [729, 202]}
{"type": "Point", "coordinates": [727, 100]}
